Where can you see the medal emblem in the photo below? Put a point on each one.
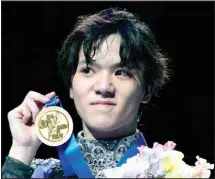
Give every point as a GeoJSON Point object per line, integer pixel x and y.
{"type": "Point", "coordinates": [53, 126]}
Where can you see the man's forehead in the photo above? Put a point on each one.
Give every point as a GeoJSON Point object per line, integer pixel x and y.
{"type": "Point", "coordinates": [106, 54]}
{"type": "Point", "coordinates": [99, 64]}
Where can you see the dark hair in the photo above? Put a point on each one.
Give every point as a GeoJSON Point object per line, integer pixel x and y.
{"type": "Point", "coordinates": [138, 45]}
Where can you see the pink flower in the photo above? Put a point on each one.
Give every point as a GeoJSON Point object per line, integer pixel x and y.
{"type": "Point", "coordinates": [166, 147]}
{"type": "Point", "coordinates": [169, 146]}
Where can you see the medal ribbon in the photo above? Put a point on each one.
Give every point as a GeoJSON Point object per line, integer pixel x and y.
{"type": "Point", "coordinates": [72, 160]}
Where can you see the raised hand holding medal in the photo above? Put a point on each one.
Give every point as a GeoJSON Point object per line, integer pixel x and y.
{"type": "Point", "coordinates": [21, 120]}
{"type": "Point", "coordinates": [53, 125]}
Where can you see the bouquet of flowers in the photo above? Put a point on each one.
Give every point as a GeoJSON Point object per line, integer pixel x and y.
{"type": "Point", "coordinates": [161, 161]}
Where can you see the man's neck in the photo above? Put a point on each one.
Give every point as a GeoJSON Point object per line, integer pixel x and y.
{"type": "Point", "coordinates": [110, 134]}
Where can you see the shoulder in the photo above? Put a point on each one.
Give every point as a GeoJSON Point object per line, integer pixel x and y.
{"type": "Point", "coordinates": [52, 162]}
{"type": "Point", "coordinates": [51, 167]}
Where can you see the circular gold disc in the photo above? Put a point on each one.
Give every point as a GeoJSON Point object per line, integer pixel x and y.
{"type": "Point", "coordinates": [53, 126]}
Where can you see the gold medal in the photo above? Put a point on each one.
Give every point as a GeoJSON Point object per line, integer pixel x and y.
{"type": "Point", "coordinates": [53, 126]}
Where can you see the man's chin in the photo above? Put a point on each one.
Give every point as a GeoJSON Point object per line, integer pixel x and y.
{"type": "Point", "coordinates": [103, 127]}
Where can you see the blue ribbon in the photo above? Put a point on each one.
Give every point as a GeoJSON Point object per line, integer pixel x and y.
{"type": "Point", "coordinates": [70, 150]}
{"type": "Point", "coordinates": [72, 160]}
{"type": "Point", "coordinates": [133, 150]}
{"type": "Point", "coordinates": [53, 102]}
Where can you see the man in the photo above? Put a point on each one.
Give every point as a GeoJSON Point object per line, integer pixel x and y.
{"type": "Point", "coordinates": [110, 63]}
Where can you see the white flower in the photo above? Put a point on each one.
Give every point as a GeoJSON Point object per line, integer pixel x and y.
{"type": "Point", "coordinates": [202, 168]}
{"type": "Point", "coordinates": [133, 168]}
{"type": "Point", "coordinates": [161, 161]}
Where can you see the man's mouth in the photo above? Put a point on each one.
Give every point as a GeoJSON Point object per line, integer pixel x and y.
{"type": "Point", "coordinates": [104, 103]}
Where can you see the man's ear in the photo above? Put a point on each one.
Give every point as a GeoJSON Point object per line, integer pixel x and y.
{"type": "Point", "coordinates": [147, 96]}
{"type": "Point", "coordinates": [71, 93]}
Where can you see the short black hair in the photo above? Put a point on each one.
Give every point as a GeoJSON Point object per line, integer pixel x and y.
{"type": "Point", "coordinates": [138, 45]}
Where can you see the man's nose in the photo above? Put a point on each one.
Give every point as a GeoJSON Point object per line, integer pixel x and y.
{"type": "Point", "coordinates": [104, 85]}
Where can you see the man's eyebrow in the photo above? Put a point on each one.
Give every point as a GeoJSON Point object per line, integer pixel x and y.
{"type": "Point", "coordinates": [93, 63]}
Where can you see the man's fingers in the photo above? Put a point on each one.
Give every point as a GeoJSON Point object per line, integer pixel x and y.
{"type": "Point", "coordinates": [26, 114]}
{"type": "Point", "coordinates": [15, 113]}
{"type": "Point", "coordinates": [50, 95]}
{"type": "Point", "coordinates": [37, 97]}
{"type": "Point", "coordinates": [32, 106]}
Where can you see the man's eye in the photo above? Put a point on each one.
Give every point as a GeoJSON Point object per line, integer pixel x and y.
{"type": "Point", "coordinates": [124, 73]}
{"type": "Point", "coordinates": [87, 71]}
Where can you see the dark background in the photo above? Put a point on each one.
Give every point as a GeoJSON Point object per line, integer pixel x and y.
{"type": "Point", "coordinates": [33, 32]}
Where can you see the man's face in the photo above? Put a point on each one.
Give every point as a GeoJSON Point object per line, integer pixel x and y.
{"type": "Point", "coordinates": [106, 96]}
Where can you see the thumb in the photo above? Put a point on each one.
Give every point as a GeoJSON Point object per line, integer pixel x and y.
{"type": "Point", "coordinates": [51, 94]}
